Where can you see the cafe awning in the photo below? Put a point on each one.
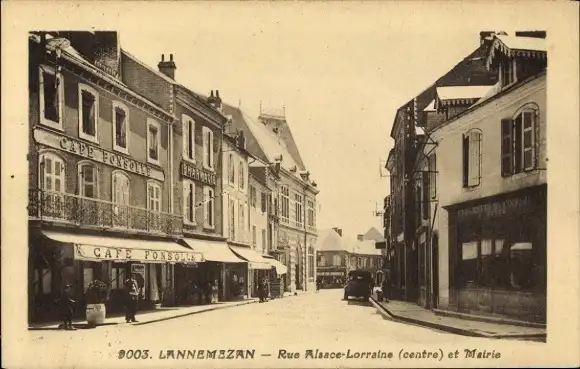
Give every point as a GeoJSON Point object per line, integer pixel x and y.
{"type": "Point", "coordinates": [280, 268]}
{"type": "Point", "coordinates": [106, 248]}
{"type": "Point", "coordinates": [213, 250]}
{"type": "Point", "coordinates": [255, 260]}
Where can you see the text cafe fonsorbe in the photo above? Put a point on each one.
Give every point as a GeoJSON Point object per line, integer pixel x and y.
{"type": "Point", "coordinates": [111, 253]}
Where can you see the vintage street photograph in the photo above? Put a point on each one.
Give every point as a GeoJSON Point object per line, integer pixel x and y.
{"type": "Point", "coordinates": [287, 185]}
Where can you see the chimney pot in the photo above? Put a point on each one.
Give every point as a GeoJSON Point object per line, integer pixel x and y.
{"type": "Point", "coordinates": [170, 57]}
{"type": "Point", "coordinates": [162, 57]}
{"type": "Point", "coordinates": [217, 93]}
{"type": "Point", "coordinates": [360, 237]}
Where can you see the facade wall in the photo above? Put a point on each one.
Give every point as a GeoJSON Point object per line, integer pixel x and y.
{"type": "Point", "coordinates": [486, 118]}
{"type": "Point", "coordinates": [235, 193]}
{"type": "Point", "coordinates": [137, 140]}
{"type": "Point", "coordinates": [187, 169]}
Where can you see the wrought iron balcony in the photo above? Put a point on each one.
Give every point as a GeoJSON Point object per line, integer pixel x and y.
{"type": "Point", "coordinates": [83, 211]}
{"type": "Point", "coordinates": [311, 229]}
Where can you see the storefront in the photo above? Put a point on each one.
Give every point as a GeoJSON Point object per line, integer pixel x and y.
{"type": "Point", "coordinates": [276, 276]}
{"type": "Point", "coordinates": [258, 268]}
{"type": "Point", "coordinates": [222, 267]}
{"type": "Point", "coordinates": [497, 255]}
{"type": "Point", "coordinates": [58, 258]}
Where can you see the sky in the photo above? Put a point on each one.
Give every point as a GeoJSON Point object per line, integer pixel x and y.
{"type": "Point", "coordinates": [340, 70]}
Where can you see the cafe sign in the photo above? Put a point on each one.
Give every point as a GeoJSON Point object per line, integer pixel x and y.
{"type": "Point", "coordinates": [497, 209]}
{"type": "Point", "coordinates": [200, 175]}
{"type": "Point", "coordinates": [120, 254]}
{"type": "Point", "coordinates": [95, 153]}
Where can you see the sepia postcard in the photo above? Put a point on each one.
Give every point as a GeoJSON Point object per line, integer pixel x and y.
{"type": "Point", "coordinates": [227, 184]}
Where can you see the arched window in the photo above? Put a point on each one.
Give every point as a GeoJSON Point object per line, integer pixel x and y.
{"type": "Point", "coordinates": [88, 180]}
{"type": "Point", "coordinates": [472, 158]}
{"type": "Point", "coordinates": [519, 142]}
{"type": "Point", "coordinates": [51, 172]}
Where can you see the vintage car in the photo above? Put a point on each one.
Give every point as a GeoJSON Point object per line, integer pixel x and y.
{"type": "Point", "coordinates": [359, 284]}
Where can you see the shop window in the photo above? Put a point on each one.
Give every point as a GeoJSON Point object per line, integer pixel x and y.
{"type": "Point", "coordinates": [472, 158]}
{"type": "Point", "coordinates": [188, 137]}
{"type": "Point", "coordinates": [153, 141]}
{"type": "Point", "coordinates": [88, 180]}
{"type": "Point", "coordinates": [51, 97]}
{"type": "Point", "coordinates": [336, 260]}
{"type": "Point", "coordinates": [88, 113]}
{"type": "Point", "coordinates": [43, 281]}
{"type": "Point", "coordinates": [208, 148]}
{"type": "Point", "coordinates": [189, 201]}
{"type": "Point", "coordinates": [519, 145]}
{"type": "Point", "coordinates": [153, 196]}
{"type": "Point", "coordinates": [117, 277]}
{"type": "Point", "coordinates": [209, 208]}
{"type": "Point", "coordinates": [87, 276]}
{"type": "Point", "coordinates": [120, 127]}
{"type": "Point", "coordinates": [241, 179]}
{"type": "Point", "coordinates": [468, 267]}
{"type": "Point", "coordinates": [232, 170]}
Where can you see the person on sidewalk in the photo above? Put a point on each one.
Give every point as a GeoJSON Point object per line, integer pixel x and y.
{"type": "Point", "coordinates": [261, 290]}
{"type": "Point", "coordinates": [67, 305]}
{"type": "Point", "coordinates": [132, 291]}
{"type": "Point", "coordinates": [386, 289]}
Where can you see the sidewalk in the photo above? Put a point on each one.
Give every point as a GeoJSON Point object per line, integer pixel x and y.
{"type": "Point", "coordinates": [151, 316]}
{"type": "Point", "coordinates": [414, 314]}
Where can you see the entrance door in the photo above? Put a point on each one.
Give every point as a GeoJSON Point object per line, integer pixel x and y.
{"type": "Point", "coordinates": [435, 263]}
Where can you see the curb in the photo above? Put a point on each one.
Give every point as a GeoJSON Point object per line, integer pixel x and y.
{"type": "Point", "coordinates": [463, 332]}
{"type": "Point", "coordinates": [194, 312]}
{"type": "Point", "coordinates": [493, 320]}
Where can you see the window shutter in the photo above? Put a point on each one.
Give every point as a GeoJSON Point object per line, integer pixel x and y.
{"type": "Point", "coordinates": [474, 158]}
{"type": "Point", "coordinates": [536, 123]}
{"type": "Point", "coordinates": [433, 175]}
{"type": "Point", "coordinates": [465, 160]}
{"type": "Point", "coordinates": [507, 156]}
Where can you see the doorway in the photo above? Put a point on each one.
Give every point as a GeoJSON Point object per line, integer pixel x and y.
{"type": "Point", "coordinates": [435, 263]}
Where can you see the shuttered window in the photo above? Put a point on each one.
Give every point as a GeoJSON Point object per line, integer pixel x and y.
{"type": "Point", "coordinates": [472, 158]}
{"type": "Point", "coordinates": [506, 147]}
{"type": "Point", "coordinates": [188, 201]}
{"type": "Point", "coordinates": [520, 142]}
{"type": "Point", "coordinates": [433, 176]}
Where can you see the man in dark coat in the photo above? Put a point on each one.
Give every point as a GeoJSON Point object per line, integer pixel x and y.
{"type": "Point", "coordinates": [67, 305]}
{"type": "Point", "coordinates": [386, 288]}
{"type": "Point", "coordinates": [132, 296]}
{"type": "Point", "coordinates": [261, 291]}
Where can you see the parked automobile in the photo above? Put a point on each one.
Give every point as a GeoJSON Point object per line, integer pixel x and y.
{"type": "Point", "coordinates": [359, 284]}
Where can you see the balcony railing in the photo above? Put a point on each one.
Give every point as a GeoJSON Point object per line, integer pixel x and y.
{"type": "Point", "coordinates": [78, 210]}
{"type": "Point", "coordinates": [311, 229]}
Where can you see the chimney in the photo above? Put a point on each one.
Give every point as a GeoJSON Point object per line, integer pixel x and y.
{"type": "Point", "coordinates": [167, 67]}
{"type": "Point", "coordinates": [241, 140]}
{"type": "Point", "coordinates": [360, 237]}
{"type": "Point", "coordinates": [534, 34]}
{"type": "Point", "coordinates": [338, 230]}
{"type": "Point", "coordinates": [218, 100]}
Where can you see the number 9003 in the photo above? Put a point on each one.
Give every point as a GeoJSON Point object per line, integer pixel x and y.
{"type": "Point", "coordinates": [133, 354]}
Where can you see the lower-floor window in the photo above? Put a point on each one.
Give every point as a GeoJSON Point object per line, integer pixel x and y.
{"type": "Point", "coordinates": [42, 281]}
{"type": "Point", "coordinates": [117, 277]}
{"type": "Point", "coordinates": [508, 254]}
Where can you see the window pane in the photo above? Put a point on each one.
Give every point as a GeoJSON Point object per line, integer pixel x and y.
{"type": "Point", "coordinates": [469, 251]}
{"type": "Point", "coordinates": [527, 119]}
{"type": "Point", "coordinates": [527, 138]}
{"type": "Point", "coordinates": [486, 247]}
{"type": "Point", "coordinates": [87, 174]}
{"type": "Point", "coordinates": [51, 98]}
{"type": "Point", "coordinates": [528, 158]}
{"type": "Point", "coordinates": [48, 165]}
{"type": "Point", "coordinates": [57, 166]}
{"type": "Point", "coordinates": [120, 128]}
{"type": "Point", "coordinates": [499, 246]}
{"type": "Point", "coordinates": [46, 281]}
{"type": "Point", "coordinates": [57, 185]}
{"type": "Point", "coordinates": [88, 113]}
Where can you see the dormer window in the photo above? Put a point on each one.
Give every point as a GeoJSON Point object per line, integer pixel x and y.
{"type": "Point", "coordinates": [507, 72]}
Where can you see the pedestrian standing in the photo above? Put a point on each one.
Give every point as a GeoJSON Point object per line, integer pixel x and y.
{"type": "Point", "coordinates": [261, 291]}
{"type": "Point", "coordinates": [132, 296]}
{"type": "Point", "coordinates": [66, 306]}
{"type": "Point", "coordinates": [386, 289]}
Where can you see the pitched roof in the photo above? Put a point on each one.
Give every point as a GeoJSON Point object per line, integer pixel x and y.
{"type": "Point", "coordinates": [329, 240]}
{"type": "Point", "coordinates": [364, 247]}
{"type": "Point", "coordinates": [373, 234]}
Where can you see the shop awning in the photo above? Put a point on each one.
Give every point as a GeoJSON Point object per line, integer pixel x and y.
{"type": "Point", "coordinates": [101, 248]}
{"type": "Point", "coordinates": [280, 268]}
{"type": "Point", "coordinates": [255, 260]}
{"type": "Point", "coordinates": [213, 250]}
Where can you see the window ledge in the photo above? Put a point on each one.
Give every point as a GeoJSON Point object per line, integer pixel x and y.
{"type": "Point", "coordinates": [208, 227]}
{"type": "Point", "coordinates": [188, 159]}
{"type": "Point", "coordinates": [471, 188]}
{"type": "Point", "coordinates": [120, 149]}
{"type": "Point", "coordinates": [93, 139]}
{"type": "Point", "coordinates": [211, 169]}
{"type": "Point", "coordinates": [52, 124]}
{"type": "Point", "coordinates": [153, 161]}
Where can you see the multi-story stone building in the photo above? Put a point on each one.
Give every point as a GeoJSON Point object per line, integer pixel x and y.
{"type": "Point", "coordinates": [271, 141]}
{"type": "Point", "coordinates": [491, 229]}
{"type": "Point", "coordinates": [407, 244]}
{"type": "Point", "coordinates": [100, 185]}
